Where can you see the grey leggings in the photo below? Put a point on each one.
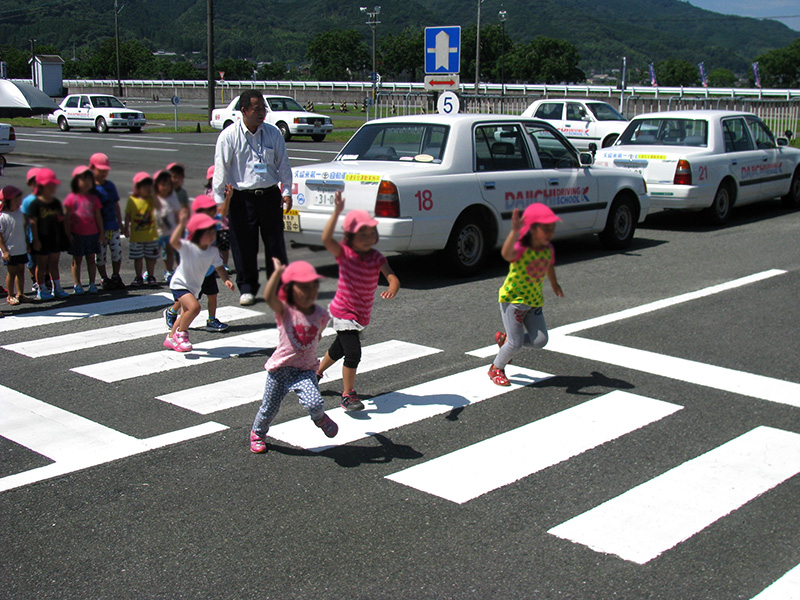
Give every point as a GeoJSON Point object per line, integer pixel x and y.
{"type": "Point", "coordinates": [516, 319]}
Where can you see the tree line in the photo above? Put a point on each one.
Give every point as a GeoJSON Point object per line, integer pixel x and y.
{"type": "Point", "coordinates": [344, 55]}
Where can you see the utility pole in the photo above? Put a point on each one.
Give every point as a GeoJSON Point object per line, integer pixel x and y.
{"type": "Point", "coordinates": [502, 15]}
{"type": "Point", "coordinates": [210, 56]}
{"type": "Point", "coordinates": [33, 61]}
{"type": "Point", "coordinates": [478, 50]}
{"type": "Point", "coordinates": [116, 38]}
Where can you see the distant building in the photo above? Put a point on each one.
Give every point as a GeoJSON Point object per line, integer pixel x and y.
{"type": "Point", "coordinates": [47, 73]}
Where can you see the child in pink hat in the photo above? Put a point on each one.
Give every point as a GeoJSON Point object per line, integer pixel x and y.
{"type": "Point", "coordinates": [292, 293]}
{"type": "Point", "coordinates": [360, 267]}
{"type": "Point", "coordinates": [111, 244]}
{"type": "Point", "coordinates": [532, 258]}
{"type": "Point", "coordinates": [197, 254]}
{"type": "Point", "coordinates": [140, 229]}
{"type": "Point", "coordinates": [13, 243]}
{"type": "Point", "coordinates": [46, 216]}
{"type": "Point", "coordinates": [83, 223]}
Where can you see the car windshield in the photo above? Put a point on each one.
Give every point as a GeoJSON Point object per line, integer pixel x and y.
{"type": "Point", "coordinates": [604, 112]}
{"type": "Point", "coordinates": [665, 132]}
{"type": "Point", "coordinates": [397, 141]}
{"type": "Point", "coordinates": [106, 102]}
{"type": "Point", "coordinates": [280, 104]}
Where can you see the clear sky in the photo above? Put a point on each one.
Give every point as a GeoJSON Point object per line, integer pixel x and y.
{"type": "Point", "coordinates": [785, 11]}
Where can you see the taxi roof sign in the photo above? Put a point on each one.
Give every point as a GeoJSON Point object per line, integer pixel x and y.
{"type": "Point", "coordinates": [442, 50]}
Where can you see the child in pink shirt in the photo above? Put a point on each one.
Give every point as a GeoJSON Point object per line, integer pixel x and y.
{"type": "Point", "coordinates": [292, 367]}
{"type": "Point", "coordinates": [83, 223]}
{"type": "Point", "coordinates": [360, 266]}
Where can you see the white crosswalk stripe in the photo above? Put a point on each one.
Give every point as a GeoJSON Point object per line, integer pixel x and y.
{"type": "Point", "coordinates": [404, 407]}
{"type": "Point", "coordinates": [71, 441]}
{"type": "Point", "coordinates": [649, 519]}
{"type": "Point", "coordinates": [230, 393]}
{"type": "Point", "coordinates": [84, 311]}
{"type": "Point", "coordinates": [786, 588]}
{"type": "Point", "coordinates": [470, 472]}
{"type": "Point", "coordinates": [104, 336]}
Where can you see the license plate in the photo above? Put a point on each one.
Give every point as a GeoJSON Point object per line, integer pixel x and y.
{"type": "Point", "coordinates": [291, 220]}
{"type": "Point", "coordinates": [130, 122]}
{"type": "Point", "coordinates": [324, 197]}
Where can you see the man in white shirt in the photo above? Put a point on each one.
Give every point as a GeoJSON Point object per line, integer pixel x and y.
{"type": "Point", "coordinates": [251, 158]}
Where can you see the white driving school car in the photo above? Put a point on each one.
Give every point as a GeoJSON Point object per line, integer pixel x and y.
{"type": "Point", "coordinates": [582, 122]}
{"type": "Point", "coordinates": [707, 160]}
{"type": "Point", "coordinates": [451, 183]}
{"type": "Point", "coordinates": [99, 112]}
{"type": "Point", "coordinates": [8, 141]}
{"type": "Point", "coordinates": [283, 112]}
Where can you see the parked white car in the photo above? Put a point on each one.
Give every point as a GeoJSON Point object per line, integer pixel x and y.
{"type": "Point", "coordinates": [98, 112]}
{"type": "Point", "coordinates": [707, 159]}
{"type": "Point", "coordinates": [8, 141]}
{"type": "Point", "coordinates": [283, 112]}
{"type": "Point", "coordinates": [451, 183]}
{"type": "Point", "coordinates": [583, 122]}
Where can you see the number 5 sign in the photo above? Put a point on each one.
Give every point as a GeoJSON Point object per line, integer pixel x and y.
{"type": "Point", "coordinates": [448, 104]}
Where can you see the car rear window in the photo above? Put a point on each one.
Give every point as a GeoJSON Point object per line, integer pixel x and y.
{"type": "Point", "coordinates": [397, 141]}
{"type": "Point", "coordinates": [665, 132]}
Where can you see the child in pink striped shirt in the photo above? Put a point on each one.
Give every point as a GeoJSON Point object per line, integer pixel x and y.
{"type": "Point", "coordinates": [360, 266]}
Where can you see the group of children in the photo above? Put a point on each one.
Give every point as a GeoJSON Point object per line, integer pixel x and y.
{"type": "Point", "coordinates": [89, 224]}
{"type": "Point", "coordinates": [157, 218]}
{"type": "Point", "coordinates": [292, 291]}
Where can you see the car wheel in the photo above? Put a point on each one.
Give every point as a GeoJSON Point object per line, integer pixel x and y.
{"type": "Point", "coordinates": [101, 125]}
{"type": "Point", "coordinates": [136, 130]}
{"type": "Point", "coordinates": [620, 224]}
{"type": "Point", "coordinates": [62, 124]}
{"type": "Point", "coordinates": [610, 139]}
{"type": "Point", "coordinates": [3, 162]}
{"type": "Point", "coordinates": [318, 137]}
{"type": "Point", "coordinates": [468, 245]}
{"type": "Point", "coordinates": [720, 210]}
{"type": "Point", "coordinates": [792, 199]}
{"type": "Point", "coordinates": [227, 124]}
{"type": "Point", "coordinates": [284, 129]}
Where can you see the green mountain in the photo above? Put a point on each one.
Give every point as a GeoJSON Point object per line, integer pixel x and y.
{"type": "Point", "coordinates": [643, 30]}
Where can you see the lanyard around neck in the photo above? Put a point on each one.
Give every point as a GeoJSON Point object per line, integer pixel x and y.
{"type": "Point", "coordinates": [260, 152]}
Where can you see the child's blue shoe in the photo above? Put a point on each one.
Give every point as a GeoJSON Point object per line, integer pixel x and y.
{"type": "Point", "coordinates": [215, 325]}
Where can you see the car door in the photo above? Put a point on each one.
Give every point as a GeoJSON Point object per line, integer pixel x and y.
{"type": "Point", "coordinates": [775, 173]}
{"type": "Point", "coordinates": [745, 159]}
{"type": "Point", "coordinates": [71, 110]}
{"type": "Point", "coordinates": [568, 188]}
{"type": "Point", "coordinates": [579, 125]}
{"type": "Point", "coordinates": [83, 114]}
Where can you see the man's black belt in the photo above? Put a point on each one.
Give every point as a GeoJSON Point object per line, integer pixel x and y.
{"type": "Point", "coordinates": [259, 191]}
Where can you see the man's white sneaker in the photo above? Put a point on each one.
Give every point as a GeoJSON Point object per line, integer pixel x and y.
{"type": "Point", "coordinates": [246, 299]}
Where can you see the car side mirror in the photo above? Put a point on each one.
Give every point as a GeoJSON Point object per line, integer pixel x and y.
{"type": "Point", "coordinates": [586, 159]}
{"type": "Point", "coordinates": [593, 148]}
{"type": "Point", "coordinates": [782, 141]}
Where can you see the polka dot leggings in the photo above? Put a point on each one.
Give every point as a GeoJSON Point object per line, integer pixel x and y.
{"type": "Point", "coordinates": [279, 383]}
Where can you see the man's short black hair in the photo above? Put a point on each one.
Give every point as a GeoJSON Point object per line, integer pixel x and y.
{"type": "Point", "coordinates": [246, 99]}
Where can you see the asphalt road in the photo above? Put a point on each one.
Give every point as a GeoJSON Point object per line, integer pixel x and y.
{"type": "Point", "coordinates": [195, 515]}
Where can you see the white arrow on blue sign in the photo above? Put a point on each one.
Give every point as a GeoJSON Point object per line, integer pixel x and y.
{"type": "Point", "coordinates": [442, 49]}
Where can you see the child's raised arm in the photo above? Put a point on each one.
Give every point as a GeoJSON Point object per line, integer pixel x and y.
{"type": "Point", "coordinates": [327, 234]}
{"type": "Point", "coordinates": [271, 289]}
{"type": "Point", "coordinates": [508, 252]}
{"type": "Point", "coordinates": [177, 234]}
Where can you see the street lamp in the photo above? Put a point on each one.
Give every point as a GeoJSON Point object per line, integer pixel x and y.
{"type": "Point", "coordinates": [116, 40]}
{"type": "Point", "coordinates": [373, 24]}
{"type": "Point", "coordinates": [502, 15]}
{"type": "Point", "coordinates": [478, 50]}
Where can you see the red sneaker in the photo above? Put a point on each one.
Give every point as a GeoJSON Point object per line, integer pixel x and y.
{"type": "Point", "coordinates": [498, 376]}
{"type": "Point", "coordinates": [257, 443]}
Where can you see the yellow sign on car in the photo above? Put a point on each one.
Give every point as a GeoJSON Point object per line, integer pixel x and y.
{"type": "Point", "coordinates": [291, 220]}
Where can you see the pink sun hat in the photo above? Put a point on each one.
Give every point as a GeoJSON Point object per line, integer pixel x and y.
{"type": "Point", "coordinates": [199, 222]}
{"type": "Point", "coordinates": [210, 172]}
{"type": "Point", "coordinates": [46, 177]}
{"type": "Point", "coordinates": [356, 219]}
{"type": "Point", "coordinates": [32, 174]}
{"type": "Point", "coordinates": [80, 170]}
{"type": "Point", "coordinates": [299, 271]}
{"type": "Point", "coordinates": [534, 213]}
{"type": "Point", "coordinates": [140, 177]}
{"type": "Point", "coordinates": [98, 160]}
{"type": "Point", "coordinates": [203, 202]}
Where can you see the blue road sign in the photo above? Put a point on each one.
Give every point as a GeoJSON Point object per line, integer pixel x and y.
{"type": "Point", "coordinates": [442, 49]}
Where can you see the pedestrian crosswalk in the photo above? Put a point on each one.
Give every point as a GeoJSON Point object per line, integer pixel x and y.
{"type": "Point", "coordinates": [637, 526]}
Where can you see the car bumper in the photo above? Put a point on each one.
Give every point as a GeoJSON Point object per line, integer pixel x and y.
{"type": "Point", "coordinates": [126, 122]}
{"type": "Point", "coordinates": [677, 196]}
{"type": "Point", "coordinates": [394, 234]}
{"type": "Point", "coordinates": [310, 130]}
